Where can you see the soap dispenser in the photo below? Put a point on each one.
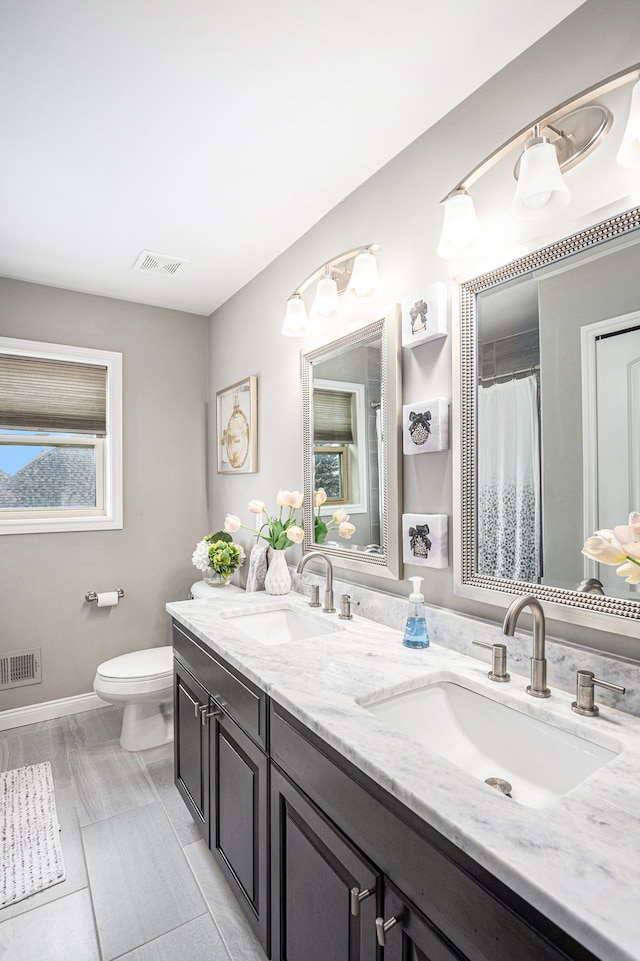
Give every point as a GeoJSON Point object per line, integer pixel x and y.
{"type": "Point", "coordinates": [415, 633]}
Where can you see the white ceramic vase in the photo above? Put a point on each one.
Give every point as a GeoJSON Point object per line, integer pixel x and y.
{"type": "Point", "coordinates": [278, 578]}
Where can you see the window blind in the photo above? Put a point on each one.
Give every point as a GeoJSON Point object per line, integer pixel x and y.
{"type": "Point", "coordinates": [332, 417]}
{"type": "Point", "coordinates": [51, 395]}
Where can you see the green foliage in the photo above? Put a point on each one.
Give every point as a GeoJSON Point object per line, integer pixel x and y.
{"type": "Point", "coordinates": [218, 536]}
{"type": "Point", "coordinates": [224, 556]}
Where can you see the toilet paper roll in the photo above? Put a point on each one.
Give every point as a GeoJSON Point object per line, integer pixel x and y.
{"type": "Point", "coordinates": [108, 599]}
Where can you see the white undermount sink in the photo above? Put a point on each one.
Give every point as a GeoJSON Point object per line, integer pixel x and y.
{"type": "Point", "coordinates": [490, 739]}
{"type": "Point", "coordinates": [280, 625]}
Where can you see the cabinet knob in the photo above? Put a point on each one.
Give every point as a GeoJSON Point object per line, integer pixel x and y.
{"type": "Point", "coordinates": [356, 897]}
{"type": "Point", "coordinates": [382, 927]}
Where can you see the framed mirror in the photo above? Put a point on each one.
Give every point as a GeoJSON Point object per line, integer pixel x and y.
{"type": "Point", "coordinates": [548, 424]}
{"type": "Point", "coordinates": [351, 431]}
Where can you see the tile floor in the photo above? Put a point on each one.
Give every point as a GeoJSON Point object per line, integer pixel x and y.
{"type": "Point", "coordinates": [141, 884]}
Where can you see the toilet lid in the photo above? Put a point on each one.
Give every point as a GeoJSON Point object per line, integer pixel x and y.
{"type": "Point", "coordinates": [153, 662]}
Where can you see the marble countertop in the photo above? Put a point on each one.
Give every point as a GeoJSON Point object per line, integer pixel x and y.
{"type": "Point", "coordinates": [577, 860]}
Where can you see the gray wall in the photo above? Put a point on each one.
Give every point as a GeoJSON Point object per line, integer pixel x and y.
{"type": "Point", "coordinates": [606, 287]}
{"type": "Point", "coordinates": [398, 208]}
{"type": "Point", "coordinates": [44, 577]}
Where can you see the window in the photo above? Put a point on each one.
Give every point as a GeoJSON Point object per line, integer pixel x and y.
{"type": "Point", "coordinates": [338, 430]}
{"type": "Point", "coordinates": [60, 438]}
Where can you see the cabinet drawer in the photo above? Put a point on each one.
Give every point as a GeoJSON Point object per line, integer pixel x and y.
{"type": "Point", "coordinates": [242, 700]}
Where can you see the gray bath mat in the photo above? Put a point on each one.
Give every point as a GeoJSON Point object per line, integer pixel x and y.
{"type": "Point", "coordinates": [30, 851]}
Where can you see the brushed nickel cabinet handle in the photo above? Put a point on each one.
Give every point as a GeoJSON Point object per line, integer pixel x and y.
{"type": "Point", "coordinates": [382, 927]}
{"type": "Point", "coordinates": [356, 897]}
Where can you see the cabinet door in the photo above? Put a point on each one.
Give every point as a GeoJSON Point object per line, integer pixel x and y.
{"type": "Point", "coordinates": [409, 935]}
{"type": "Point", "coordinates": [314, 870]}
{"type": "Point", "coordinates": [238, 805]}
{"type": "Point", "coordinates": [191, 748]}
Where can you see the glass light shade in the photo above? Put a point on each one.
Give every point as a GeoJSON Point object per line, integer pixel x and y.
{"type": "Point", "coordinates": [460, 227]}
{"type": "Point", "coordinates": [326, 305]}
{"type": "Point", "coordinates": [365, 283]}
{"type": "Point", "coordinates": [541, 189]}
{"type": "Point", "coordinates": [296, 321]}
{"type": "Point", "coordinates": [629, 153]}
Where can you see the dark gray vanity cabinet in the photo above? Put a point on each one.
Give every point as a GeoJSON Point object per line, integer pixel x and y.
{"type": "Point", "coordinates": [191, 745]}
{"type": "Point", "coordinates": [238, 802]}
{"type": "Point", "coordinates": [303, 836]}
{"type": "Point", "coordinates": [221, 769]}
{"type": "Point", "coordinates": [325, 893]}
{"type": "Point", "coordinates": [446, 907]}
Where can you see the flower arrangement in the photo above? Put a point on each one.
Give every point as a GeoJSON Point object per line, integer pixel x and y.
{"type": "Point", "coordinates": [282, 528]}
{"type": "Point", "coordinates": [218, 554]}
{"type": "Point", "coordinates": [339, 520]}
{"type": "Point", "coordinates": [621, 546]}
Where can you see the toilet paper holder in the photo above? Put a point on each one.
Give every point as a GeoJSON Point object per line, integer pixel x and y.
{"type": "Point", "coordinates": [93, 595]}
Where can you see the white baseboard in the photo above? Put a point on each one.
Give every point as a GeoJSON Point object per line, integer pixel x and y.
{"type": "Point", "coordinates": [48, 710]}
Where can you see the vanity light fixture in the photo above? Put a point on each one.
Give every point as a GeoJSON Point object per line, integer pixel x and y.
{"type": "Point", "coordinates": [353, 275]}
{"type": "Point", "coordinates": [552, 144]}
{"type": "Point", "coordinates": [326, 305]}
{"type": "Point", "coordinates": [296, 320]}
{"type": "Point", "coordinates": [460, 228]}
{"type": "Point", "coordinates": [541, 189]}
{"type": "Point", "coordinates": [629, 153]}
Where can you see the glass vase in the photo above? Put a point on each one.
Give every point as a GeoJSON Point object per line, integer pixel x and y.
{"type": "Point", "coordinates": [214, 579]}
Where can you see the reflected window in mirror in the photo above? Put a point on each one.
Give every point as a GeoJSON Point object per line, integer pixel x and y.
{"type": "Point", "coordinates": [339, 443]}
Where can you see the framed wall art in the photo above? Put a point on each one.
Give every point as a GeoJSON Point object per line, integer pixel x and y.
{"type": "Point", "coordinates": [425, 315]}
{"type": "Point", "coordinates": [425, 539]}
{"type": "Point", "coordinates": [425, 426]}
{"type": "Point", "coordinates": [237, 427]}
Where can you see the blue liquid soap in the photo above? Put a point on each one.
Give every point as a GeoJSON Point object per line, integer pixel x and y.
{"type": "Point", "coordinates": [416, 634]}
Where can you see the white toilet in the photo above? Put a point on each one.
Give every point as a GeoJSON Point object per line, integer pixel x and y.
{"type": "Point", "coordinates": [143, 682]}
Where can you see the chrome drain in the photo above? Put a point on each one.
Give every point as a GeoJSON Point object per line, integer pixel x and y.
{"type": "Point", "coordinates": [499, 784]}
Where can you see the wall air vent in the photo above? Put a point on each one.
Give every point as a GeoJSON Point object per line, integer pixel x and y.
{"type": "Point", "coordinates": [151, 263]}
{"type": "Point", "coordinates": [20, 667]}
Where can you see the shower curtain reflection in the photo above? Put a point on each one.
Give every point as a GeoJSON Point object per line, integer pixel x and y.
{"type": "Point", "coordinates": [509, 480]}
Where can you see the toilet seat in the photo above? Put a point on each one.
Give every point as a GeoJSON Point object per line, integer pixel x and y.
{"type": "Point", "coordinates": [140, 672]}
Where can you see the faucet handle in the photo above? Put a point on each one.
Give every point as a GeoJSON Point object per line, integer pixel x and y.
{"type": "Point", "coordinates": [498, 670]}
{"type": "Point", "coordinates": [586, 680]}
{"type": "Point", "coordinates": [345, 608]}
{"type": "Point", "coordinates": [314, 600]}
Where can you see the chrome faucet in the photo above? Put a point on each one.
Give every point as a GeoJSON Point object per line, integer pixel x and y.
{"type": "Point", "coordinates": [538, 686]}
{"type": "Point", "coordinates": [327, 607]}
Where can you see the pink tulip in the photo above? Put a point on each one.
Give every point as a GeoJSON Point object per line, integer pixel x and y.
{"type": "Point", "coordinates": [295, 534]}
{"type": "Point", "coordinates": [630, 572]}
{"type": "Point", "coordinates": [340, 516]}
{"type": "Point", "coordinates": [345, 529]}
{"type": "Point", "coordinates": [319, 497]}
{"type": "Point", "coordinates": [283, 498]}
{"type": "Point", "coordinates": [633, 551]}
{"type": "Point", "coordinates": [603, 547]}
{"type": "Point", "coordinates": [232, 523]}
{"type": "Point", "coordinates": [256, 507]}
{"type": "Point", "coordinates": [296, 499]}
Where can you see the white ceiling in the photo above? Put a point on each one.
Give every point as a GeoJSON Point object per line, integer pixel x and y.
{"type": "Point", "coordinates": [217, 130]}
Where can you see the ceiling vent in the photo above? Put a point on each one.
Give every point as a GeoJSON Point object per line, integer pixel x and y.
{"type": "Point", "coordinates": [151, 263]}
